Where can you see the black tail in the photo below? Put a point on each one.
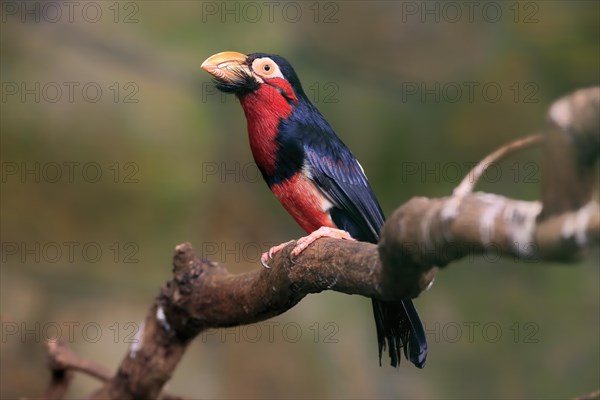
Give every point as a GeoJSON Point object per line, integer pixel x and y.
{"type": "Point", "coordinates": [399, 325]}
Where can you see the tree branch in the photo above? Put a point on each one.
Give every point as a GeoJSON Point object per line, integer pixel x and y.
{"type": "Point", "coordinates": [469, 181]}
{"type": "Point", "coordinates": [63, 363]}
{"type": "Point", "coordinates": [571, 152]}
{"type": "Point", "coordinates": [202, 295]}
{"type": "Point", "coordinates": [595, 395]}
{"type": "Point", "coordinates": [419, 236]}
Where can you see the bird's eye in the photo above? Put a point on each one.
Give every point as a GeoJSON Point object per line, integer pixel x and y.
{"type": "Point", "coordinates": [266, 68]}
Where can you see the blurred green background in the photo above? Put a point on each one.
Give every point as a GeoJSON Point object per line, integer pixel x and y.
{"type": "Point", "coordinates": [115, 148]}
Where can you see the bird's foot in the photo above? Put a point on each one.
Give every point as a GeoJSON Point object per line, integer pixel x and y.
{"type": "Point", "coordinates": [323, 231]}
{"type": "Point", "coordinates": [266, 257]}
{"type": "Point", "coordinates": [304, 242]}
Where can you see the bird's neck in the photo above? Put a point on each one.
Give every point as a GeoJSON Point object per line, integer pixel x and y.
{"type": "Point", "coordinates": [264, 109]}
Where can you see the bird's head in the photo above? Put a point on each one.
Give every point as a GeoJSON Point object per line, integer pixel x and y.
{"type": "Point", "coordinates": [268, 75]}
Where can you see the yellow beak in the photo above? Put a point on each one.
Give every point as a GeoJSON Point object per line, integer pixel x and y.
{"type": "Point", "coordinates": [226, 66]}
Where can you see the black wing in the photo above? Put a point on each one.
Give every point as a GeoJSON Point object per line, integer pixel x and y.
{"type": "Point", "coordinates": [341, 179]}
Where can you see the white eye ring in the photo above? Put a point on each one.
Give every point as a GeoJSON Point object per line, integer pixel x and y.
{"type": "Point", "coordinates": [266, 68]}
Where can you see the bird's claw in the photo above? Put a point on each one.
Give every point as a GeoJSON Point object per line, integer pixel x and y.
{"type": "Point", "coordinates": [303, 243]}
{"type": "Point", "coordinates": [323, 231]}
{"type": "Point", "coordinates": [266, 257]}
{"type": "Point", "coordinates": [300, 246]}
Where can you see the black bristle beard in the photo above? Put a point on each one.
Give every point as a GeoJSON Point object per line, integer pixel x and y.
{"type": "Point", "coordinates": [240, 85]}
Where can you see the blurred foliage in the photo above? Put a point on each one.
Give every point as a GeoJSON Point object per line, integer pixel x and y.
{"type": "Point", "coordinates": [497, 328]}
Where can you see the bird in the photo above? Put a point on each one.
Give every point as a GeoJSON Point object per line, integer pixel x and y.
{"type": "Point", "coordinates": [314, 175]}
